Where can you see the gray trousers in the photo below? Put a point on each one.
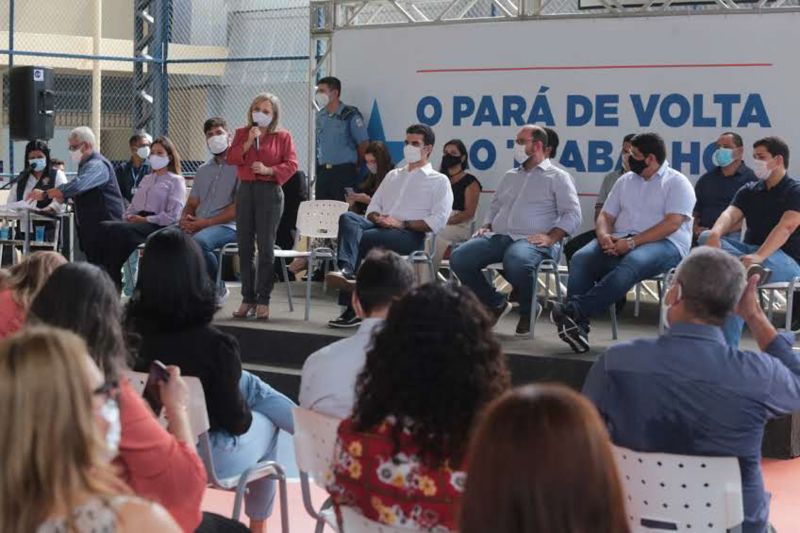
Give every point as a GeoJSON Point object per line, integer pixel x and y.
{"type": "Point", "coordinates": [259, 205]}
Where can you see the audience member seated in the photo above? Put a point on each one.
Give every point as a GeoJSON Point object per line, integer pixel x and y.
{"type": "Point", "coordinates": [20, 286]}
{"type": "Point", "coordinates": [131, 173]}
{"type": "Point", "coordinates": [466, 193]}
{"type": "Point", "coordinates": [158, 465]}
{"type": "Point", "coordinates": [432, 367]}
{"type": "Point", "coordinates": [410, 202]}
{"type": "Point", "coordinates": [688, 392]}
{"type": "Point", "coordinates": [329, 375]}
{"type": "Point", "coordinates": [210, 212]}
{"type": "Point", "coordinates": [771, 209]}
{"type": "Point", "coordinates": [157, 202]}
{"type": "Point", "coordinates": [643, 230]}
{"type": "Point", "coordinates": [716, 188]}
{"type": "Point", "coordinates": [579, 241]}
{"type": "Point", "coordinates": [535, 207]}
{"type": "Point", "coordinates": [171, 313]}
{"type": "Point", "coordinates": [540, 460]}
{"type": "Point", "coordinates": [59, 423]}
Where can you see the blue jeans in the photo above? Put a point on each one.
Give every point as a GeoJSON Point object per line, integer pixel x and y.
{"type": "Point", "coordinates": [597, 280]}
{"type": "Point", "coordinates": [520, 259]}
{"type": "Point", "coordinates": [210, 239]}
{"type": "Point", "coordinates": [272, 411]}
{"type": "Point", "coordinates": [783, 267]}
{"type": "Point", "coordinates": [357, 236]}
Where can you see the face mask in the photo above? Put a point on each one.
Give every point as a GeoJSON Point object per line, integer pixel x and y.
{"type": "Point", "coordinates": [637, 165]}
{"type": "Point", "coordinates": [110, 415]}
{"type": "Point", "coordinates": [412, 154]}
{"type": "Point", "coordinates": [262, 119]}
{"type": "Point", "coordinates": [519, 153]}
{"type": "Point", "coordinates": [158, 161]}
{"type": "Point", "coordinates": [372, 167]}
{"type": "Point", "coordinates": [143, 152]}
{"type": "Point", "coordinates": [37, 165]}
{"type": "Point", "coordinates": [76, 155]}
{"type": "Point", "coordinates": [322, 99]}
{"type": "Point", "coordinates": [217, 144]}
{"type": "Point", "coordinates": [760, 169]}
{"type": "Point", "coordinates": [666, 307]}
{"type": "Point", "coordinates": [450, 161]}
{"type": "Point", "coordinates": [722, 157]}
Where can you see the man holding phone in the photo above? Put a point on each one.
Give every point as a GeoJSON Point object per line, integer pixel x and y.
{"type": "Point", "coordinates": [771, 209]}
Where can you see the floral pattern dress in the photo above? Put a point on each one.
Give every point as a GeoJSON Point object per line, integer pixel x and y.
{"type": "Point", "coordinates": [393, 488]}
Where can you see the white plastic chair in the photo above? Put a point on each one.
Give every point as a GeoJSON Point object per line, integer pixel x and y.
{"type": "Point", "coordinates": [355, 522]}
{"type": "Point", "coordinates": [314, 444]}
{"type": "Point", "coordinates": [786, 287]}
{"type": "Point", "coordinates": [198, 418]}
{"type": "Point", "coordinates": [680, 492]}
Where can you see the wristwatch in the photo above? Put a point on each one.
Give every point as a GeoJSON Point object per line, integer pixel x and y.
{"type": "Point", "coordinates": [631, 243]}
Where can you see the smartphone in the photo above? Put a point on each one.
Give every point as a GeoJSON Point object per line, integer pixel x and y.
{"type": "Point", "coordinates": [348, 191]}
{"type": "Point", "coordinates": [158, 374]}
{"type": "Point", "coordinates": [763, 274]}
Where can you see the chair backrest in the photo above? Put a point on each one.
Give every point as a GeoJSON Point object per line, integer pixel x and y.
{"type": "Point", "coordinates": [355, 522]}
{"type": "Point", "coordinates": [314, 443]}
{"type": "Point", "coordinates": [198, 414]}
{"type": "Point", "coordinates": [320, 218]}
{"type": "Point", "coordinates": [137, 380]}
{"type": "Point", "coordinates": [665, 491]}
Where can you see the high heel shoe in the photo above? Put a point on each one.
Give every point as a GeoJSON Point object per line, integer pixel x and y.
{"type": "Point", "coordinates": [262, 312]}
{"type": "Point", "coordinates": [245, 311]}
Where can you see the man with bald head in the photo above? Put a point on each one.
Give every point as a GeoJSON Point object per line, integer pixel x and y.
{"type": "Point", "coordinates": [535, 207]}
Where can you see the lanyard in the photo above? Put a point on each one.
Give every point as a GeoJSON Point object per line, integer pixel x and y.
{"type": "Point", "coordinates": [137, 176]}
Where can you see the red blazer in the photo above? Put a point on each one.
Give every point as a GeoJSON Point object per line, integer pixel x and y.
{"type": "Point", "coordinates": [276, 150]}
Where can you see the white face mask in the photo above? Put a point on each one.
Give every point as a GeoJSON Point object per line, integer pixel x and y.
{"type": "Point", "coordinates": [760, 169]}
{"type": "Point", "coordinates": [217, 144]}
{"type": "Point", "coordinates": [412, 154]}
{"type": "Point", "coordinates": [666, 307]}
{"type": "Point", "coordinates": [322, 99]}
{"type": "Point", "coordinates": [143, 152]}
{"type": "Point", "coordinates": [76, 155]}
{"type": "Point", "coordinates": [372, 167]}
{"type": "Point", "coordinates": [519, 153]}
{"type": "Point", "coordinates": [262, 120]}
{"type": "Point", "coordinates": [157, 162]}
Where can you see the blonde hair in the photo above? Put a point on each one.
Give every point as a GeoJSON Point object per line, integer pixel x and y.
{"type": "Point", "coordinates": [276, 113]}
{"type": "Point", "coordinates": [29, 276]}
{"type": "Point", "coordinates": [51, 453]}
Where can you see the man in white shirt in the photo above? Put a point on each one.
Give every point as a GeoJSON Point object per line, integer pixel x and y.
{"type": "Point", "coordinates": [644, 229]}
{"type": "Point", "coordinates": [329, 375]}
{"type": "Point", "coordinates": [535, 207]}
{"type": "Point", "coordinates": [411, 201]}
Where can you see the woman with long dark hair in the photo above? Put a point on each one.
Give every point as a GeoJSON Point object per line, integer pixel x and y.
{"type": "Point", "coordinates": [540, 460]}
{"type": "Point", "coordinates": [157, 202]}
{"type": "Point", "coordinates": [158, 465]}
{"type": "Point", "coordinates": [171, 312]}
{"type": "Point", "coordinates": [379, 163]}
{"type": "Point", "coordinates": [265, 158]}
{"type": "Point", "coordinates": [433, 365]}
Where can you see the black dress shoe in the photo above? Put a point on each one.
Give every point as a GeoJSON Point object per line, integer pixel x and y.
{"type": "Point", "coordinates": [569, 330]}
{"type": "Point", "coordinates": [348, 319]}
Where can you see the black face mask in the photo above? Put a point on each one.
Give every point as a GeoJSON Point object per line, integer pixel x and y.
{"type": "Point", "coordinates": [449, 161]}
{"type": "Point", "coordinates": [637, 165]}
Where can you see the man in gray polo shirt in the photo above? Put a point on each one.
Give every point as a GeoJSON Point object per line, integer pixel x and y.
{"type": "Point", "coordinates": [210, 212]}
{"type": "Point", "coordinates": [644, 229]}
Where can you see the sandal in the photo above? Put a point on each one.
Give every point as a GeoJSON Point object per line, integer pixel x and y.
{"type": "Point", "coordinates": [245, 311]}
{"type": "Point", "coordinates": [262, 312]}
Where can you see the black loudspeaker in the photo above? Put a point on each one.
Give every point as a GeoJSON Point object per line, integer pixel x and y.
{"type": "Point", "coordinates": [31, 110]}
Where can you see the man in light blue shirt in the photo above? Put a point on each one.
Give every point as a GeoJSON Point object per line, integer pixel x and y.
{"type": "Point", "coordinates": [644, 229]}
{"type": "Point", "coordinates": [688, 392]}
{"type": "Point", "coordinates": [535, 207]}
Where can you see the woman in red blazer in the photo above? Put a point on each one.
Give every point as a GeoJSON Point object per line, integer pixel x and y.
{"type": "Point", "coordinates": [265, 158]}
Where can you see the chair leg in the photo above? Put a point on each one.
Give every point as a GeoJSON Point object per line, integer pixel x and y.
{"type": "Point", "coordinates": [288, 283]}
{"type": "Point", "coordinates": [219, 269]}
{"type": "Point", "coordinates": [614, 321]}
{"type": "Point", "coordinates": [284, 495]}
{"type": "Point", "coordinates": [535, 302]}
{"type": "Point", "coordinates": [637, 299]}
{"type": "Point", "coordinates": [308, 286]}
{"type": "Point", "coordinates": [771, 305]}
{"type": "Point", "coordinates": [789, 308]}
{"type": "Point", "coordinates": [237, 502]}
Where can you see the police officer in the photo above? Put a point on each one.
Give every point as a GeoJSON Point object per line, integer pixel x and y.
{"type": "Point", "coordinates": [341, 141]}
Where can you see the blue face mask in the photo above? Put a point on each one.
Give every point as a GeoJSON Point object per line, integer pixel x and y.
{"type": "Point", "coordinates": [37, 165]}
{"type": "Point", "coordinates": [722, 157]}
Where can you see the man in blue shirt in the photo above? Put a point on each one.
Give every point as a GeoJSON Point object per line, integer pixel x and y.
{"type": "Point", "coordinates": [688, 392]}
{"type": "Point", "coordinates": [341, 141]}
{"type": "Point", "coordinates": [94, 192]}
{"type": "Point", "coordinates": [716, 188]}
{"type": "Point", "coordinates": [131, 172]}
{"type": "Point", "coordinates": [771, 209]}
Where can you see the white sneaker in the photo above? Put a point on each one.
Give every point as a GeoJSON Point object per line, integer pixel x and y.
{"type": "Point", "coordinates": [222, 295]}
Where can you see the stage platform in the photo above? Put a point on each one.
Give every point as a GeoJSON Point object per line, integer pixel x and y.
{"type": "Point", "coordinates": [276, 349]}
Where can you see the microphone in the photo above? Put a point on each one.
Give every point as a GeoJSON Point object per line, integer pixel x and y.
{"type": "Point", "coordinates": [257, 143]}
